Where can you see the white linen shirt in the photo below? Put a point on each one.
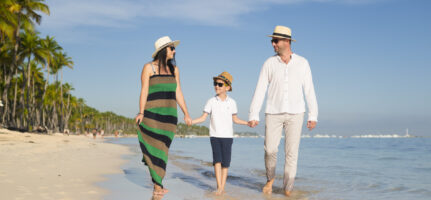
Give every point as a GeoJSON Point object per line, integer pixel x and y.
{"type": "Point", "coordinates": [288, 83]}
{"type": "Point", "coordinates": [221, 116]}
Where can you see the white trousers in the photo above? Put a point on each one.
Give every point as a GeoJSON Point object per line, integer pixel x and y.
{"type": "Point", "coordinates": [292, 125]}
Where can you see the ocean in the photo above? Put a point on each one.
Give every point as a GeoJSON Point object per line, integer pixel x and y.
{"type": "Point", "coordinates": [328, 168]}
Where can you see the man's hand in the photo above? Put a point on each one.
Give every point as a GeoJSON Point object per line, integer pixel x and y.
{"type": "Point", "coordinates": [311, 125]}
{"type": "Point", "coordinates": [253, 123]}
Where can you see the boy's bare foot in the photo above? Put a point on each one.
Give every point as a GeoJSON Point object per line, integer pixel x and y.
{"type": "Point", "coordinates": [287, 193]}
{"type": "Point", "coordinates": [267, 189]}
{"type": "Point", "coordinates": [219, 192]}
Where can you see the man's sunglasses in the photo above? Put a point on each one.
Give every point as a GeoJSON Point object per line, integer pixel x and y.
{"type": "Point", "coordinates": [275, 40]}
{"type": "Point", "coordinates": [218, 84]}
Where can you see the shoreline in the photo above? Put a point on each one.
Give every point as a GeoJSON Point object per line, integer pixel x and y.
{"type": "Point", "coordinates": [57, 166]}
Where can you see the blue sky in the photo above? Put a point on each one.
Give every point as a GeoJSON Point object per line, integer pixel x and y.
{"type": "Point", "coordinates": [369, 58]}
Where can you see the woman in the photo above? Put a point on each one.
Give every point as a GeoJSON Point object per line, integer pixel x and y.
{"type": "Point", "coordinates": [157, 117]}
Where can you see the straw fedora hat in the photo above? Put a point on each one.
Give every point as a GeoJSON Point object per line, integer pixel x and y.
{"type": "Point", "coordinates": [282, 32]}
{"type": "Point", "coordinates": [226, 77]}
{"type": "Point", "coordinates": [162, 43]}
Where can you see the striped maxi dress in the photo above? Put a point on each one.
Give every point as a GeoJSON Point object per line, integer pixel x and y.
{"type": "Point", "coordinates": [157, 129]}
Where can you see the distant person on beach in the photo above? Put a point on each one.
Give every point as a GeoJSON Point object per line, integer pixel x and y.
{"type": "Point", "coordinates": [157, 116]}
{"type": "Point", "coordinates": [223, 112]}
{"type": "Point", "coordinates": [288, 79]}
{"type": "Point", "coordinates": [116, 133]}
{"type": "Point", "coordinates": [94, 133]}
{"type": "Point", "coordinates": [102, 132]}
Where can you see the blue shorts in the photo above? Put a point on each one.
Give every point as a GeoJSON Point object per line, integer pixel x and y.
{"type": "Point", "coordinates": [222, 150]}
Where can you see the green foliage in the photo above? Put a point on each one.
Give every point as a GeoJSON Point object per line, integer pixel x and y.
{"type": "Point", "coordinates": [183, 129]}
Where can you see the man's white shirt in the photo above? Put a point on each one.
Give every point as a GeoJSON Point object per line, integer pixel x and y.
{"type": "Point", "coordinates": [287, 84]}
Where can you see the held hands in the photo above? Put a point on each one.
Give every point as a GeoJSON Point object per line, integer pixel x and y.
{"type": "Point", "coordinates": [311, 125]}
{"type": "Point", "coordinates": [188, 120]}
{"type": "Point", "coordinates": [253, 123]}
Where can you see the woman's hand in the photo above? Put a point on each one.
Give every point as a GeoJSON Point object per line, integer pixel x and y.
{"type": "Point", "coordinates": [188, 120]}
{"type": "Point", "coordinates": [139, 118]}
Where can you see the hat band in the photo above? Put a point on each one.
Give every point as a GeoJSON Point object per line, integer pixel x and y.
{"type": "Point", "coordinates": [224, 78]}
{"type": "Point", "coordinates": [284, 35]}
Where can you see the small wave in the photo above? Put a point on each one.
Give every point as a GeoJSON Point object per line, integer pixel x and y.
{"type": "Point", "coordinates": [423, 169]}
{"type": "Point", "coordinates": [192, 180]}
{"type": "Point", "coordinates": [388, 158]}
{"type": "Point", "coordinates": [425, 192]}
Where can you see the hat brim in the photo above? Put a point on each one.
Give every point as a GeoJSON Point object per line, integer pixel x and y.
{"type": "Point", "coordinates": [175, 43]}
{"type": "Point", "coordinates": [225, 80]}
{"type": "Point", "coordinates": [277, 36]}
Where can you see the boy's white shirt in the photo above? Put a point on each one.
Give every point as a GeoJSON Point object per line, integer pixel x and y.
{"type": "Point", "coordinates": [221, 112]}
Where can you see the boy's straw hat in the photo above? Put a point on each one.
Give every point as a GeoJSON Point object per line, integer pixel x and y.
{"type": "Point", "coordinates": [162, 43]}
{"type": "Point", "coordinates": [282, 32]}
{"type": "Point", "coordinates": [226, 77]}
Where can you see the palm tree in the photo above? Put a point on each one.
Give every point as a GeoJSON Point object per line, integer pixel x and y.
{"type": "Point", "coordinates": [31, 46]}
{"type": "Point", "coordinates": [51, 47]}
{"type": "Point", "coordinates": [61, 60]}
{"type": "Point", "coordinates": [7, 18]}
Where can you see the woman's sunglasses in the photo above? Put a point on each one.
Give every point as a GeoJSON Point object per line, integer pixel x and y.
{"type": "Point", "coordinates": [218, 84]}
{"type": "Point", "coordinates": [172, 48]}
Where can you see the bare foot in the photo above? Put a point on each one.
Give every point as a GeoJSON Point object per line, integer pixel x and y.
{"type": "Point", "coordinates": [287, 193]}
{"type": "Point", "coordinates": [219, 192]}
{"type": "Point", "coordinates": [267, 189]}
{"type": "Point", "coordinates": [161, 191]}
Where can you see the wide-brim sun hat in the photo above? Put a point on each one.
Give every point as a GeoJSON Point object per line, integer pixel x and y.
{"type": "Point", "coordinates": [162, 43]}
{"type": "Point", "coordinates": [282, 32]}
{"type": "Point", "coordinates": [226, 77]}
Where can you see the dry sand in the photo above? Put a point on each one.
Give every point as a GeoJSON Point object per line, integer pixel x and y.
{"type": "Point", "coordinates": [34, 166]}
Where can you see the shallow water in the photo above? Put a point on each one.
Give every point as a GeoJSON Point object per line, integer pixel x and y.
{"type": "Point", "coordinates": [328, 168]}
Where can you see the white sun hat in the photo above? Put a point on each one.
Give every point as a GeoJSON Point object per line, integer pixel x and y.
{"type": "Point", "coordinates": [162, 43]}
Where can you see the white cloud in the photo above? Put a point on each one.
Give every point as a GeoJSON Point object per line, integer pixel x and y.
{"type": "Point", "coordinates": [120, 13]}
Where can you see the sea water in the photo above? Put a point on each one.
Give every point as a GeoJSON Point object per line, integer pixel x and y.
{"type": "Point", "coordinates": [328, 168]}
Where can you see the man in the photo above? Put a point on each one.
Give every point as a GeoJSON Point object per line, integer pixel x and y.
{"type": "Point", "coordinates": [288, 78]}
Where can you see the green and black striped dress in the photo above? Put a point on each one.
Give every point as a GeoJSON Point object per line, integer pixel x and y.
{"type": "Point", "coordinates": [159, 125]}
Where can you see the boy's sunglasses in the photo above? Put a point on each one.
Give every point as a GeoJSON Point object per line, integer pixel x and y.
{"type": "Point", "coordinates": [218, 84]}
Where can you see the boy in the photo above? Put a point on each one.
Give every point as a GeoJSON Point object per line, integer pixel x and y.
{"type": "Point", "coordinates": [222, 110]}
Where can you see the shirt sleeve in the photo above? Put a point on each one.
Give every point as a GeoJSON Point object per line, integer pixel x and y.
{"type": "Point", "coordinates": [310, 95]}
{"type": "Point", "coordinates": [259, 93]}
{"type": "Point", "coordinates": [208, 106]}
{"type": "Point", "coordinates": [234, 109]}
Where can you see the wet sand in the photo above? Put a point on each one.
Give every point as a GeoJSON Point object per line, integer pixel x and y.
{"type": "Point", "coordinates": [187, 178]}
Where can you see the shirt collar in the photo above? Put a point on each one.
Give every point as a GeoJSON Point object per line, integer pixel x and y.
{"type": "Point", "coordinates": [292, 57]}
{"type": "Point", "coordinates": [218, 98]}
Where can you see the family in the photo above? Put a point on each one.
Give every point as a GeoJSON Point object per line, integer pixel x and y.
{"type": "Point", "coordinates": [286, 77]}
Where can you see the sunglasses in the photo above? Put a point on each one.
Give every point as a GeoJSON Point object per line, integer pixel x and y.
{"type": "Point", "coordinates": [172, 48]}
{"type": "Point", "coordinates": [218, 84]}
{"type": "Point", "coordinates": [275, 40]}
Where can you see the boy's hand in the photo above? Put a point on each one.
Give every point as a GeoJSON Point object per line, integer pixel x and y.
{"type": "Point", "coordinates": [253, 123]}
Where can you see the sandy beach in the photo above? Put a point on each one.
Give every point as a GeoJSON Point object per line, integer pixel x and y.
{"type": "Point", "coordinates": [35, 166]}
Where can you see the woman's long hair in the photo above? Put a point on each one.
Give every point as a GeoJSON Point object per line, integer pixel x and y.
{"type": "Point", "coordinates": [161, 57]}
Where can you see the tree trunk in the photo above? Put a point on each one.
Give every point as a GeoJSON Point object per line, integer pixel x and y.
{"type": "Point", "coordinates": [5, 99]}
{"type": "Point", "coordinates": [28, 117]}
{"type": "Point", "coordinates": [23, 103]}
{"type": "Point", "coordinates": [44, 94]}
{"type": "Point", "coordinates": [14, 98]}
{"type": "Point", "coordinates": [62, 103]}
